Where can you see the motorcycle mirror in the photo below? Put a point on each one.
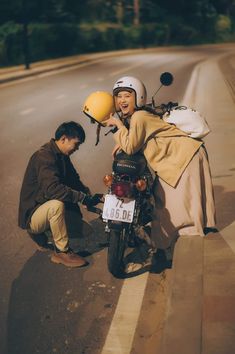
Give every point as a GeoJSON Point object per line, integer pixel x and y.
{"type": "Point", "coordinates": [166, 78]}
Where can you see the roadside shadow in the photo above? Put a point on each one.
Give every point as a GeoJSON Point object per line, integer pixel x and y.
{"type": "Point", "coordinates": [44, 300]}
{"type": "Point", "coordinates": [138, 261]}
{"type": "Point", "coordinates": [40, 316]}
{"type": "Point", "coordinates": [95, 238]}
{"type": "Point", "coordinates": [224, 203]}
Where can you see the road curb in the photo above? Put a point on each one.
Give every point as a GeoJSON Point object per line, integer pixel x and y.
{"type": "Point", "coordinates": [187, 329]}
{"type": "Point", "coordinates": [10, 74]}
{"type": "Point", "coordinates": [18, 72]}
{"type": "Point", "coordinates": [183, 322]}
{"type": "Point", "coordinates": [183, 325]}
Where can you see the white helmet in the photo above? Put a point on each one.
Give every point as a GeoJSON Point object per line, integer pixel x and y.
{"type": "Point", "coordinates": [131, 83]}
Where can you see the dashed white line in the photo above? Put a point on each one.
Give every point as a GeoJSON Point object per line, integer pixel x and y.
{"type": "Point", "coordinates": [83, 86]}
{"type": "Point", "coordinates": [60, 97]}
{"type": "Point", "coordinates": [126, 69]}
{"type": "Point", "coordinates": [27, 111]}
{"type": "Point", "coordinates": [133, 66]}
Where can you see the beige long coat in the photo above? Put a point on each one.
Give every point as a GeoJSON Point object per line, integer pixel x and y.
{"type": "Point", "coordinates": [183, 192]}
{"type": "Point", "coordinates": [167, 156]}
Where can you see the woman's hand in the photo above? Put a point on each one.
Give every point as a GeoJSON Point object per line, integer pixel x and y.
{"type": "Point", "coordinates": [113, 122]}
{"type": "Point", "coordinates": [115, 150]}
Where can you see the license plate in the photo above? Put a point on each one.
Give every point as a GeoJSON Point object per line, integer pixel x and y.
{"type": "Point", "coordinates": [118, 209]}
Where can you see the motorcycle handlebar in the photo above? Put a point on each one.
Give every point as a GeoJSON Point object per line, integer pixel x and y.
{"type": "Point", "coordinates": [94, 209]}
{"type": "Point", "coordinates": [165, 107]}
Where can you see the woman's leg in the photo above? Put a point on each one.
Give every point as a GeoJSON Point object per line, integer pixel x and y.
{"type": "Point", "coordinates": [186, 209]}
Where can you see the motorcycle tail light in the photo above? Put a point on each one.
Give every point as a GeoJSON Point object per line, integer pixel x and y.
{"type": "Point", "coordinates": [141, 185]}
{"type": "Point", "coordinates": [108, 179]}
{"type": "Point", "coordinates": [121, 189]}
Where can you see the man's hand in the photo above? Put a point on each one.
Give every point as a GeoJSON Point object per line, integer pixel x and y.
{"type": "Point", "coordinates": [91, 201]}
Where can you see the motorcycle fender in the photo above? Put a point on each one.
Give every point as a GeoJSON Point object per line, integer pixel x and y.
{"type": "Point", "coordinates": [115, 225]}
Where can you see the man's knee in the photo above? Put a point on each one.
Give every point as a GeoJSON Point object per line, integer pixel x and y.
{"type": "Point", "coordinates": [56, 207]}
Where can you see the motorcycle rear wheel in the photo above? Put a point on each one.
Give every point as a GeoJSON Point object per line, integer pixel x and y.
{"type": "Point", "coordinates": [116, 249]}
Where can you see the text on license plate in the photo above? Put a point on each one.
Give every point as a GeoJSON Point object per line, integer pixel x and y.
{"type": "Point", "coordinates": [118, 209]}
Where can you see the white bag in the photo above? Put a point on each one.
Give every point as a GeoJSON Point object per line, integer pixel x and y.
{"type": "Point", "coordinates": [189, 121]}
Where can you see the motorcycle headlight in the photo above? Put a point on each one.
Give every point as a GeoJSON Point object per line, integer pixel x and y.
{"type": "Point", "coordinates": [141, 185]}
{"type": "Point", "coordinates": [108, 179]}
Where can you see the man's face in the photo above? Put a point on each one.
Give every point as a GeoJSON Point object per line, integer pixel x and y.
{"type": "Point", "coordinates": [68, 145]}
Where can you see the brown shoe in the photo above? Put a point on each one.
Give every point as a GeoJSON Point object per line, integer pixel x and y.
{"type": "Point", "coordinates": [69, 259]}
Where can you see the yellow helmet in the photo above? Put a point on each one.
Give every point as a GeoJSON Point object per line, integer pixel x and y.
{"type": "Point", "coordinates": [98, 106]}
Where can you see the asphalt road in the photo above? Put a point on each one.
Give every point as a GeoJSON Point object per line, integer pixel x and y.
{"type": "Point", "coordinates": [47, 308]}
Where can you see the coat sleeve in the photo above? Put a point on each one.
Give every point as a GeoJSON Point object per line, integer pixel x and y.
{"type": "Point", "coordinates": [51, 184]}
{"type": "Point", "coordinates": [78, 185]}
{"type": "Point", "coordinates": [132, 140]}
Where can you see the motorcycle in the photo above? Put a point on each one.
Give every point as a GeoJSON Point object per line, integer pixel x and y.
{"type": "Point", "coordinates": [128, 207]}
{"type": "Point", "coordinates": [129, 203]}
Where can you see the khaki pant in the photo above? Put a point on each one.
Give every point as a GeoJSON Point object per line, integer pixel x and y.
{"type": "Point", "coordinates": [65, 225]}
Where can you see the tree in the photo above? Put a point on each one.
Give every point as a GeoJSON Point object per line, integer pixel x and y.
{"type": "Point", "coordinates": [136, 8]}
{"type": "Point", "coordinates": [225, 7]}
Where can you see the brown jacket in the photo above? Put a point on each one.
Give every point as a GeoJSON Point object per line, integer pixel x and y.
{"type": "Point", "coordinates": [167, 149]}
{"type": "Point", "coordinates": [49, 175]}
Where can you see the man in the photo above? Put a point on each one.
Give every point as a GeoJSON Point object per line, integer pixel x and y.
{"type": "Point", "coordinates": [51, 191]}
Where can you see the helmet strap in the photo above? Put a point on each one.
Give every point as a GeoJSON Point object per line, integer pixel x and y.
{"type": "Point", "coordinates": [98, 134]}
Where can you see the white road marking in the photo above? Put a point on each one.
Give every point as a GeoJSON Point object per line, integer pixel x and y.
{"type": "Point", "coordinates": [122, 330]}
{"type": "Point", "coordinates": [60, 97]}
{"type": "Point", "coordinates": [166, 59]}
{"type": "Point", "coordinates": [55, 71]}
{"type": "Point", "coordinates": [50, 73]}
{"type": "Point", "coordinates": [127, 68]}
{"type": "Point", "coordinates": [70, 68]}
{"type": "Point", "coordinates": [83, 86]}
{"type": "Point", "coordinates": [27, 111]}
{"type": "Point", "coordinates": [189, 96]}
{"type": "Point", "coordinates": [232, 62]}
{"type": "Point", "coordinates": [228, 234]}
{"type": "Point", "coordinates": [45, 74]}
{"type": "Point", "coordinates": [13, 82]}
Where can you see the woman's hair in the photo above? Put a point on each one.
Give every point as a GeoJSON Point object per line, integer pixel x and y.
{"type": "Point", "coordinates": [71, 130]}
{"type": "Point", "coordinates": [148, 109]}
{"type": "Point", "coordinates": [126, 120]}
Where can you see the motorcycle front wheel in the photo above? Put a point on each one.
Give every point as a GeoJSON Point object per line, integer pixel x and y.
{"type": "Point", "coordinates": [116, 249]}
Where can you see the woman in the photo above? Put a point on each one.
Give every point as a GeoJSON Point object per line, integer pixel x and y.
{"type": "Point", "coordinates": [183, 189]}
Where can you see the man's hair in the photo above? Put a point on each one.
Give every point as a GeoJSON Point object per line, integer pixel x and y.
{"type": "Point", "coordinates": [71, 130]}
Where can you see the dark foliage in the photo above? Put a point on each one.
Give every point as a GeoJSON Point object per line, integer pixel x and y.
{"type": "Point", "coordinates": [54, 28]}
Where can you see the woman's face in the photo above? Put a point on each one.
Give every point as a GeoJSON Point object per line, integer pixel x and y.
{"type": "Point", "coordinates": [125, 101]}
